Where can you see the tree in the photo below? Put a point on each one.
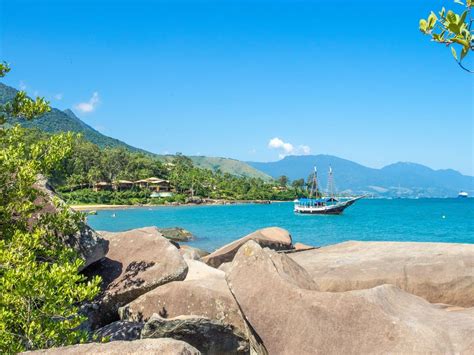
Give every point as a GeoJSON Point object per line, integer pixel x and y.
{"type": "Point", "coordinates": [298, 184]}
{"type": "Point", "coordinates": [283, 181]}
{"type": "Point", "coordinates": [453, 30]}
{"type": "Point", "coordinates": [40, 285]}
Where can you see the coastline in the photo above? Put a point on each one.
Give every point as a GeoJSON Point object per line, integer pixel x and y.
{"type": "Point", "coordinates": [99, 207]}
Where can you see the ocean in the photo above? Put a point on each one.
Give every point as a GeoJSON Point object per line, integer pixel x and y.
{"type": "Point", "coordinates": [422, 220]}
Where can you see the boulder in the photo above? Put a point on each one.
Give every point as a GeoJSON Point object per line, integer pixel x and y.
{"type": "Point", "coordinates": [120, 330]}
{"type": "Point", "coordinates": [198, 271]}
{"type": "Point", "coordinates": [86, 242]}
{"type": "Point", "coordinates": [225, 266]}
{"type": "Point", "coordinates": [207, 335]}
{"type": "Point", "coordinates": [273, 237]}
{"type": "Point", "coordinates": [193, 253]}
{"type": "Point", "coordinates": [176, 234]}
{"type": "Point", "coordinates": [137, 347]}
{"type": "Point", "coordinates": [438, 272]}
{"type": "Point", "coordinates": [282, 306]}
{"type": "Point", "coordinates": [204, 293]}
{"type": "Point", "coordinates": [138, 261]}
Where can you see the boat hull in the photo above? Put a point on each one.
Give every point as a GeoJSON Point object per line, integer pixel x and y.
{"type": "Point", "coordinates": [331, 209]}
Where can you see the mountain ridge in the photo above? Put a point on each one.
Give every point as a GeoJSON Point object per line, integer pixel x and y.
{"type": "Point", "coordinates": [398, 179]}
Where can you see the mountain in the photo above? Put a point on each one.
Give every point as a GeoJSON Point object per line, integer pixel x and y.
{"type": "Point", "coordinates": [399, 179]}
{"type": "Point", "coordinates": [63, 121]}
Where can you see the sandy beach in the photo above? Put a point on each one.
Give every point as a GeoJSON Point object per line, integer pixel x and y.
{"type": "Point", "coordinates": [206, 203]}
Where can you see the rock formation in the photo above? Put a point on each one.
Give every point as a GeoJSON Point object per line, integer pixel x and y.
{"type": "Point", "coordinates": [438, 272]}
{"type": "Point", "coordinates": [281, 303]}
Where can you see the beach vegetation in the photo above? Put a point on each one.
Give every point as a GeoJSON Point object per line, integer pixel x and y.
{"type": "Point", "coordinates": [40, 285]}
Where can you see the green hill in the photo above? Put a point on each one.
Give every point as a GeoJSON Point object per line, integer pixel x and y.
{"type": "Point", "coordinates": [63, 121]}
{"type": "Point", "coordinates": [226, 165]}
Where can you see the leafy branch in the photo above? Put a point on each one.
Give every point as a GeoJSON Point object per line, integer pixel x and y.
{"type": "Point", "coordinates": [453, 30]}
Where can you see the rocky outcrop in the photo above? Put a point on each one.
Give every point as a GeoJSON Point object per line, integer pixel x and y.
{"type": "Point", "coordinates": [120, 330]}
{"type": "Point", "coordinates": [438, 272]}
{"type": "Point", "coordinates": [176, 234]}
{"type": "Point", "coordinates": [207, 335]}
{"type": "Point", "coordinates": [301, 320]}
{"type": "Point", "coordinates": [138, 261]}
{"type": "Point", "coordinates": [193, 253]}
{"type": "Point", "coordinates": [273, 237]}
{"type": "Point", "coordinates": [204, 293]}
{"type": "Point", "coordinates": [86, 242]}
{"type": "Point", "coordinates": [137, 347]}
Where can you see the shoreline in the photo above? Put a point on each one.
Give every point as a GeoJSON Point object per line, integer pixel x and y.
{"type": "Point", "coordinates": [99, 207]}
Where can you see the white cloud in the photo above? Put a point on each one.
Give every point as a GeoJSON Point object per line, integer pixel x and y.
{"type": "Point", "coordinates": [58, 96]}
{"type": "Point", "coordinates": [22, 85]}
{"type": "Point", "coordinates": [89, 106]}
{"type": "Point", "coordinates": [305, 150]}
{"type": "Point", "coordinates": [286, 148]}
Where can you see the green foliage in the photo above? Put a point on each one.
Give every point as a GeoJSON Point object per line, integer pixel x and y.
{"type": "Point", "coordinates": [452, 29]}
{"type": "Point", "coordinates": [21, 106]}
{"type": "Point", "coordinates": [4, 69]}
{"type": "Point", "coordinates": [40, 286]}
{"type": "Point", "coordinates": [283, 180]}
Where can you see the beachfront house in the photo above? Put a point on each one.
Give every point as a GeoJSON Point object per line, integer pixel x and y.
{"type": "Point", "coordinates": [122, 185]}
{"type": "Point", "coordinates": [155, 184]}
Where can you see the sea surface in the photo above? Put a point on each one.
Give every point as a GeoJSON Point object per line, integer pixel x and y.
{"type": "Point", "coordinates": [422, 220]}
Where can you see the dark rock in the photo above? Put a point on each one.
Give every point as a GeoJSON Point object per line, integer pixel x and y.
{"type": "Point", "coordinates": [120, 330]}
{"type": "Point", "coordinates": [207, 335]}
{"type": "Point", "coordinates": [176, 234]}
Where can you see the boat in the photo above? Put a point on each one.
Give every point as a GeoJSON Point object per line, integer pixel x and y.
{"type": "Point", "coordinates": [463, 194]}
{"type": "Point", "coordinates": [319, 204]}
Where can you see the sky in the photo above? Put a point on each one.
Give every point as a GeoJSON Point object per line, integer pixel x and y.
{"type": "Point", "coordinates": [250, 80]}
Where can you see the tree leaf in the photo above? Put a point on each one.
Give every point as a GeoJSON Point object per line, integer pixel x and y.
{"type": "Point", "coordinates": [453, 51]}
{"type": "Point", "coordinates": [463, 17]}
{"type": "Point", "coordinates": [423, 25]}
{"type": "Point", "coordinates": [451, 17]}
{"type": "Point", "coordinates": [432, 20]}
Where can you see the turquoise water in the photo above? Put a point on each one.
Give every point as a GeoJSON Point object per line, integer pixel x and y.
{"type": "Point", "coordinates": [425, 220]}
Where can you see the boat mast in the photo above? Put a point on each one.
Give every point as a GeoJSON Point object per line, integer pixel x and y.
{"type": "Point", "coordinates": [330, 183]}
{"type": "Point", "coordinates": [314, 185]}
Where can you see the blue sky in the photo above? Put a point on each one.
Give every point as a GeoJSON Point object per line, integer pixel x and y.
{"type": "Point", "coordinates": [354, 79]}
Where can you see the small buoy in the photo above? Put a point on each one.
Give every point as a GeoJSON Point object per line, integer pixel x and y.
{"type": "Point", "coordinates": [444, 217]}
{"type": "Point", "coordinates": [113, 215]}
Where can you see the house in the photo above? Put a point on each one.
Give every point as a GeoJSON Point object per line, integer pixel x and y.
{"type": "Point", "coordinates": [102, 186]}
{"type": "Point", "coordinates": [121, 185]}
{"type": "Point", "coordinates": [155, 184]}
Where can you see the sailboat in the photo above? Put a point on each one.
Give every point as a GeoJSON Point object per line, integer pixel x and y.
{"type": "Point", "coordinates": [318, 204]}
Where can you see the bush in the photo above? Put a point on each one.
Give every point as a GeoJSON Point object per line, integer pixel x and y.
{"type": "Point", "coordinates": [40, 285]}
